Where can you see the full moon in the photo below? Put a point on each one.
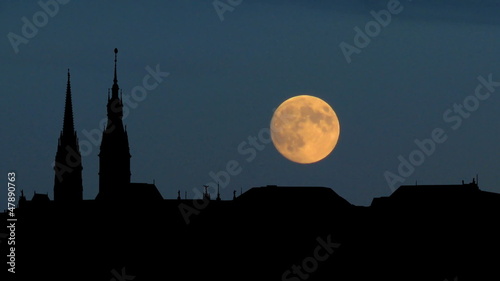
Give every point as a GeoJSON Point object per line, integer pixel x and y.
{"type": "Point", "coordinates": [305, 129]}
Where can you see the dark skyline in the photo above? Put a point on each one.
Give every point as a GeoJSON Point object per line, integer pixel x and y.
{"type": "Point", "coordinates": [426, 232]}
{"type": "Point", "coordinates": [226, 77]}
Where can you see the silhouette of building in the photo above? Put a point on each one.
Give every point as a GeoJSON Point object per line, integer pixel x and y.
{"type": "Point", "coordinates": [432, 196]}
{"type": "Point", "coordinates": [114, 157]}
{"type": "Point", "coordinates": [68, 185]}
{"type": "Point", "coordinates": [432, 232]}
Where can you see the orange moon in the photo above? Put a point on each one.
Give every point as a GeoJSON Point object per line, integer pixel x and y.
{"type": "Point", "coordinates": [305, 129]}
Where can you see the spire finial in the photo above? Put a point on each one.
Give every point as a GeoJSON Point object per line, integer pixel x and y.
{"type": "Point", "coordinates": [68, 85]}
{"type": "Point", "coordinates": [68, 127]}
{"type": "Point", "coordinates": [115, 80]}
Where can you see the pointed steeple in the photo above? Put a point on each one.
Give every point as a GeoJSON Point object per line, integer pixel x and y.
{"type": "Point", "coordinates": [115, 80]}
{"type": "Point", "coordinates": [114, 156]}
{"type": "Point", "coordinates": [68, 185]}
{"type": "Point", "coordinates": [115, 104]}
{"type": "Point", "coordinates": [68, 124]}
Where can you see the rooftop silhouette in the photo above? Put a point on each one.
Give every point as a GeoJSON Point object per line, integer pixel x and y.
{"type": "Point", "coordinates": [421, 232]}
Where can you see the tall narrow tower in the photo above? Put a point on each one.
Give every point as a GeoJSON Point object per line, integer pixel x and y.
{"type": "Point", "coordinates": [68, 165]}
{"type": "Point", "coordinates": [114, 157]}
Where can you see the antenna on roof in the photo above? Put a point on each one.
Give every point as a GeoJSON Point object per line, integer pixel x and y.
{"type": "Point", "coordinates": [218, 194]}
{"type": "Point", "coordinates": [206, 195]}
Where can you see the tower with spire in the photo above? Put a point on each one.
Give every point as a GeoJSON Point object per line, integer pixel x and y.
{"type": "Point", "coordinates": [68, 185]}
{"type": "Point", "coordinates": [114, 156]}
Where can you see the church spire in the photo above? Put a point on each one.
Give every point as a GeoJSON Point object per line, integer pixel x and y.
{"type": "Point", "coordinates": [114, 156]}
{"type": "Point", "coordinates": [68, 124]}
{"type": "Point", "coordinates": [115, 80]}
{"type": "Point", "coordinates": [68, 185]}
{"type": "Point", "coordinates": [115, 105]}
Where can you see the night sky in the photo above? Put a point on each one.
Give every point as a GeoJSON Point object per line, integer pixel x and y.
{"type": "Point", "coordinates": [228, 71]}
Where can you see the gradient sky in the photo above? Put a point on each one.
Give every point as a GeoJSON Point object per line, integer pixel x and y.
{"type": "Point", "coordinates": [227, 77]}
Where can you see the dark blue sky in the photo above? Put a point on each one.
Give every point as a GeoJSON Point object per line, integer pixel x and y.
{"type": "Point", "coordinates": [227, 76]}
